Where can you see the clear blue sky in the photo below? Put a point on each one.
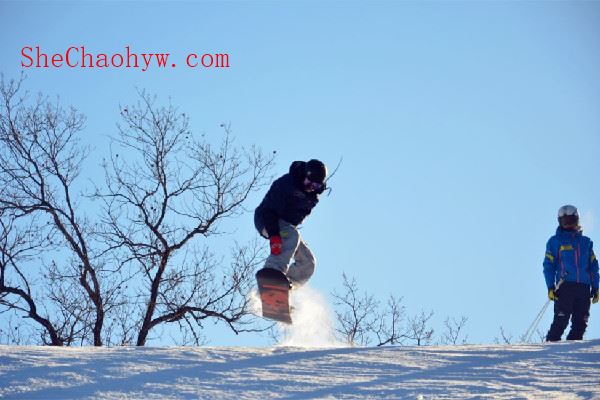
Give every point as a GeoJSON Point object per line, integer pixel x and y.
{"type": "Point", "coordinates": [463, 126]}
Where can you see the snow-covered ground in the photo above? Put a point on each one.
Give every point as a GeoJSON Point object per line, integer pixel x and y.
{"type": "Point", "coordinates": [542, 371]}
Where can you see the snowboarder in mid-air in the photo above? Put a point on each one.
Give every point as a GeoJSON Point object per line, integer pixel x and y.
{"type": "Point", "coordinates": [288, 202]}
{"type": "Point", "coordinates": [571, 274]}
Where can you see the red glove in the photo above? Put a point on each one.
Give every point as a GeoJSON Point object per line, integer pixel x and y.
{"type": "Point", "coordinates": [275, 242]}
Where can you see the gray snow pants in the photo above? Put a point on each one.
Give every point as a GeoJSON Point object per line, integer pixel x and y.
{"type": "Point", "coordinates": [292, 246]}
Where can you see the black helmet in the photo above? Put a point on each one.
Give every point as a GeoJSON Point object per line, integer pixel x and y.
{"type": "Point", "coordinates": [568, 217]}
{"type": "Point", "coordinates": [316, 171]}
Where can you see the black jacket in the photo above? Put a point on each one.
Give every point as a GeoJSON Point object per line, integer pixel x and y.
{"type": "Point", "coordinates": [286, 200]}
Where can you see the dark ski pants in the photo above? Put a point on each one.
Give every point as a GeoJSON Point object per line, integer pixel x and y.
{"type": "Point", "coordinates": [574, 303]}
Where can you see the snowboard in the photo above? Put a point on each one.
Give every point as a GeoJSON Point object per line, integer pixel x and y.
{"type": "Point", "coordinates": [274, 289]}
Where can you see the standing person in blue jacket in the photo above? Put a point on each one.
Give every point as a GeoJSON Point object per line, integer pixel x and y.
{"type": "Point", "coordinates": [571, 273]}
{"type": "Point", "coordinates": [288, 202]}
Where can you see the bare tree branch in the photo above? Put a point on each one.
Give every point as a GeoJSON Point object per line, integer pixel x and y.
{"type": "Point", "coordinates": [418, 329]}
{"type": "Point", "coordinates": [142, 264]}
{"type": "Point", "coordinates": [454, 328]}
{"type": "Point", "coordinates": [18, 246]}
{"type": "Point", "coordinates": [165, 190]}
{"type": "Point", "coordinates": [40, 159]}
{"type": "Point", "coordinates": [358, 313]}
{"type": "Point", "coordinates": [391, 329]}
{"type": "Point", "coordinates": [505, 337]}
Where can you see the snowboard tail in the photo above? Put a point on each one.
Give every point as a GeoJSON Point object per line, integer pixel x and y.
{"type": "Point", "coordinates": [274, 288]}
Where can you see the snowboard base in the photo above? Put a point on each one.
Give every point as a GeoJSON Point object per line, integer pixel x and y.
{"type": "Point", "coordinates": [274, 288]}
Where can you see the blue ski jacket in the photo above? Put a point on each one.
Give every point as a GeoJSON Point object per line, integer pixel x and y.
{"type": "Point", "coordinates": [570, 255]}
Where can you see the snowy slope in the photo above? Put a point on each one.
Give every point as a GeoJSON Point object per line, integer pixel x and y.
{"type": "Point", "coordinates": [544, 371]}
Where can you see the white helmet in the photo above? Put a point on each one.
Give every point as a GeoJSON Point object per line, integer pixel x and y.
{"type": "Point", "coordinates": [568, 210]}
{"type": "Point", "coordinates": [568, 217]}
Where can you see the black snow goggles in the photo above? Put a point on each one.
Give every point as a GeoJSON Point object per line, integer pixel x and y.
{"type": "Point", "coordinates": [313, 185]}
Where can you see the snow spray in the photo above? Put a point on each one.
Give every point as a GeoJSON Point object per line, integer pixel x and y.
{"type": "Point", "coordinates": [313, 322]}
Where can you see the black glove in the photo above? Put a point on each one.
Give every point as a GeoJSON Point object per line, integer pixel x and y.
{"type": "Point", "coordinates": [594, 295]}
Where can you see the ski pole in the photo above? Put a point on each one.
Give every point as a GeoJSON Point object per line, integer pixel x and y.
{"type": "Point", "coordinates": [540, 315]}
{"type": "Point", "coordinates": [535, 323]}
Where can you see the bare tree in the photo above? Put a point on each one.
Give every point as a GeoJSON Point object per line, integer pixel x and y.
{"type": "Point", "coordinates": [358, 314]}
{"type": "Point", "coordinates": [391, 329]}
{"type": "Point", "coordinates": [18, 246]}
{"type": "Point", "coordinates": [453, 331]}
{"type": "Point", "coordinates": [165, 190]}
{"type": "Point", "coordinates": [40, 159]}
{"type": "Point", "coordinates": [122, 327]}
{"type": "Point", "coordinates": [17, 334]}
{"type": "Point", "coordinates": [170, 191]}
{"type": "Point", "coordinates": [505, 337]}
{"type": "Point", "coordinates": [418, 329]}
